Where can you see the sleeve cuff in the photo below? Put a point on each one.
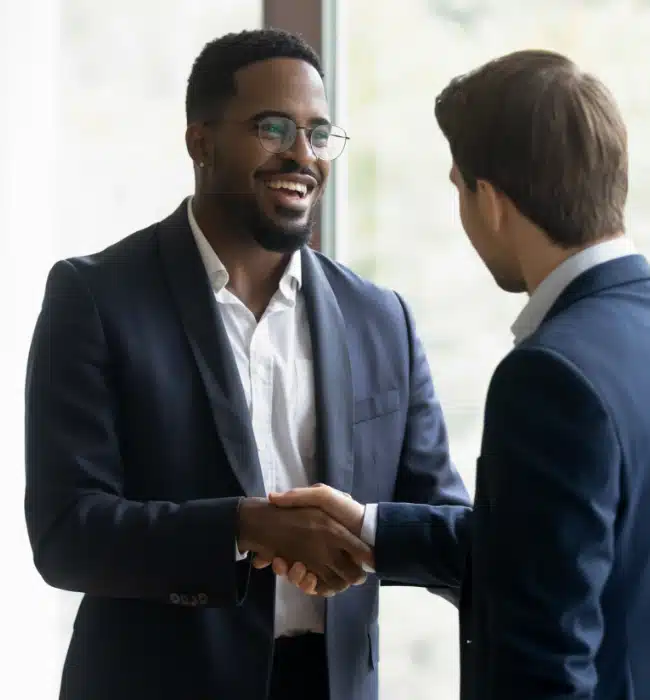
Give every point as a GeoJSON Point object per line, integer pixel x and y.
{"type": "Point", "coordinates": [369, 529]}
{"type": "Point", "coordinates": [238, 555]}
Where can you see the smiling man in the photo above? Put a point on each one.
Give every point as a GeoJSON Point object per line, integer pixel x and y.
{"type": "Point", "coordinates": [179, 376]}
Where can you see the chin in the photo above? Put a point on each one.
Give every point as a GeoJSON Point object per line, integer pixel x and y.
{"type": "Point", "coordinates": [289, 218]}
{"type": "Point", "coordinates": [510, 285]}
{"type": "Point", "coordinates": [280, 236]}
{"type": "Point", "coordinates": [290, 222]}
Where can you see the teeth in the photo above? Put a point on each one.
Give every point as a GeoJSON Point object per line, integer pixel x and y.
{"type": "Point", "coordinates": [286, 185]}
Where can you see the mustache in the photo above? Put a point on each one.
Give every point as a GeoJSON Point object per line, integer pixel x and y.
{"type": "Point", "coordinates": [290, 167]}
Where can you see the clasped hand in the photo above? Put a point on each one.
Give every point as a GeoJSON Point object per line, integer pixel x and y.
{"type": "Point", "coordinates": [313, 539]}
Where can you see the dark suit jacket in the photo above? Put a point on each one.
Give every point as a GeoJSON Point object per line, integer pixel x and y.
{"type": "Point", "coordinates": [139, 445]}
{"type": "Point", "coordinates": [556, 600]}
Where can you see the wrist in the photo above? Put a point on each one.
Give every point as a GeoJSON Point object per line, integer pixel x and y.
{"type": "Point", "coordinates": [249, 511]}
{"type": "Point", "coordinates": [357, 523]}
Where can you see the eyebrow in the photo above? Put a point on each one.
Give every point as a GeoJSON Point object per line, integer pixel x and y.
{"type": "Point", "coordinates": [316, 121]}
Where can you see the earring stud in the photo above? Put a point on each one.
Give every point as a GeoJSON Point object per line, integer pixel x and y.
{"type": "Point", "coordinates": [201, 164]}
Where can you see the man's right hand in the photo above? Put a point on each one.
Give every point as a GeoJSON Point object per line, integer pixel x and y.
{"type": "Point", "coordinates": [307, 535]}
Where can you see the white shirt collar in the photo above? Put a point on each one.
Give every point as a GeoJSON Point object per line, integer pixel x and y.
{"type": "Point", "coordinates": [290, 282]}
{"type": "Point", "coordinates": [543, 298]}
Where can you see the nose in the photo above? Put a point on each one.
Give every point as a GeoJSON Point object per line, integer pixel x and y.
{"type": "Point", "coordinates": [301, 150]}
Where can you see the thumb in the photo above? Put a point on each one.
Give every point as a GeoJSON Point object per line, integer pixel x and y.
{"type": "Point", "coordinates": [297, 498]}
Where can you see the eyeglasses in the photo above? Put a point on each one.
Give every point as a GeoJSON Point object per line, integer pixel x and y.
{"type": "Point", "coordinates": [278, 134]}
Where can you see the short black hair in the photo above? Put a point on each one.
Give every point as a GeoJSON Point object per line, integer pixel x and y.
{"type": "Point", "coordinates": [212, 79]}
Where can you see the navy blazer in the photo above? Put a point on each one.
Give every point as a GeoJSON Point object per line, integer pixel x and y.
{"type": "Point", "coordinates": [556, 600]}
{"type": "Point", "coordinates": [139, 445]}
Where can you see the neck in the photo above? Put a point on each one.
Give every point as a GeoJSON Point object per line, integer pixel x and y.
{"type": "Point", "coordinates": [253, 272]}
{"type": "Point", "coordinates": [538, 257]}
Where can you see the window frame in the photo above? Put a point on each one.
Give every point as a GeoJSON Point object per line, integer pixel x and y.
{"type": "Point", "coordinates": [321, 23]}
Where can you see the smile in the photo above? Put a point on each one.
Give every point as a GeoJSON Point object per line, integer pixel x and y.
{"type": "Point", "coordinates": [298, 187]}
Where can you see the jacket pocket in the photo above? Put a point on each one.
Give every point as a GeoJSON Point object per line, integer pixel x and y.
{"type": "Point", "coordinates": [377, 405]}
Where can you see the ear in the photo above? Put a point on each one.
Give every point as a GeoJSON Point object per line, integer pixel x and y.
{"type": "Point", "coordinates": [491, 204]}
{"type": "Point", "coordinates": [196, 141]}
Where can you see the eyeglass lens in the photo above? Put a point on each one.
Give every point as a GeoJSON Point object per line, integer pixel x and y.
{"type": "Point", "coordinates": [278, 134]}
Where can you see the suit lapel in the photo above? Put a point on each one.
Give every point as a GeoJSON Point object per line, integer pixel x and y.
{"type": "Point", "coordinates": [332, 377]}
{"type": "Point", "coordinates": [207, 336]}
{"type": "Point", "coordinates": [625, 270]}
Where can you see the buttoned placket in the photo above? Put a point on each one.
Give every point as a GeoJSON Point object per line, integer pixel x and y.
{"type": "Point", "coordinates": [261, 369]}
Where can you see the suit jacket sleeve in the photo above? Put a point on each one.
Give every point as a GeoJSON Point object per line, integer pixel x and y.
{"type": "Point", "coordinates": [426, 475]}
{"type": "Point", "coordinates": [547, 497]}
{"type": "Point", "coordinates": [85, 535]}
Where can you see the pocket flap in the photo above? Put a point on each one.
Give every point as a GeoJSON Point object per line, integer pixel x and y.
{"type": "Point", "coordinates": [375, 406]}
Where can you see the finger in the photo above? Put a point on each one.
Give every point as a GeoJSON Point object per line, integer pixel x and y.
{"type": "Point", "coordinates": [329, 581]}
{"type": "Point", "coordinates": [350, 555]}
{"type": "Point", "coordinates": [280, 566]}
{"type": "Point", "coordinates": [297, 573]}
{"type": "Point", "coordinates": [300, 497]}
{"type": "Point", "coordinates": [323, 590]}
{"type": "Point", "coordinates": [348, 569]}
{"type": "Point", "coordinates": [309, 584]}
{"type": "Point", "coordinates": [260, 562]}
{"type": "Point", "coordinates": [262, 558]}
{"type": "Point", "coordinates": [337, 558]}
{"type": "Point", "coordinates": [359, 551]}
{"type": "Point", "coordinates": [370, 562]}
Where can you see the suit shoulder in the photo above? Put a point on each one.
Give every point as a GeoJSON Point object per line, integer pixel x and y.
{"type": "Point", "coordinates": [128, 250]}
{"type": "Point", "coordinates": [591, 335]}
{"type": "Point", "coordinates": [542, 369]}
{"type": "Point", "coordinates": [127, 259]}
{"type": "Point", "coordinates": [346, 282]}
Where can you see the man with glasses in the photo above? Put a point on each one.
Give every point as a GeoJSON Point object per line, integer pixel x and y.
{"type": "Point", "coordinates": [178, 377]}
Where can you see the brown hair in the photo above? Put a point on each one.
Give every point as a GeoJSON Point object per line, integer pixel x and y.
{"type": "Point", "coordinates": [548, 136]}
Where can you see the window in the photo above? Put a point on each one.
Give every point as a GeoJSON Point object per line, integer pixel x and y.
{"type": "Point", "coordinates": [403, 228]}
{"type": "Point", "coordinates": [92, 137]}
{"type": "Point", "coordinates": [124, 67]}
{"type": "Point", "coordinates": [93, 147]}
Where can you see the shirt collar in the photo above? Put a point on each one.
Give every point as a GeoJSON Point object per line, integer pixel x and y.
{"type": "Point", "coordinates": [290, 282]}
{"type": "Point", "coordinates": [543, 298]}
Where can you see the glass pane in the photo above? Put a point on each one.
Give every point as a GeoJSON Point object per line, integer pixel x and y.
{"type": "Point", "coordinates": [123, 74]}
{"type": "Point", "coordinates": [406, 232]}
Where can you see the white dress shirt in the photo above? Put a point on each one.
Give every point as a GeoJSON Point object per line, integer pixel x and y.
{"type": "Point", "coordinates": [548, 292]}
{"type": "Point", "coordinates": [274, 360]}
{"type": "Point", "coordinates": [532, 315]}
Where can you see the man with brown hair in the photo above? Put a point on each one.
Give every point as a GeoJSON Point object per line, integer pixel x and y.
{"type": "Point", "coordinates": [554, 603]}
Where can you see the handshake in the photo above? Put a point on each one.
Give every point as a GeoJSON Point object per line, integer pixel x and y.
{"type": "Point", "coordinates": [310, 535]}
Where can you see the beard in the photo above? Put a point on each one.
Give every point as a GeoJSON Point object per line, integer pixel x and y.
{"type": "Point", "coordinates": [286, 232]}
{"type": "Point", "coordinates": [285, 236]}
